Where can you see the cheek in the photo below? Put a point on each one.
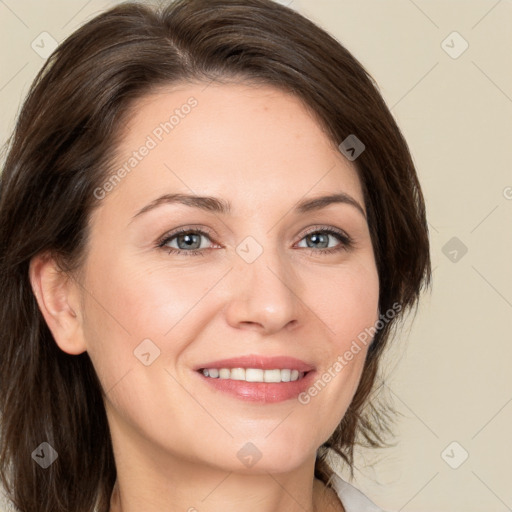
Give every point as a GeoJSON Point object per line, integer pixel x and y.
{"type": "Point", "coordinates": [142, 302]}
{"type": "Point", "coordinates": [148, 299]}
{"type": "Point", "coordinates": [346, 300]}
{"type": "Point", "coordinates": [348, 307]}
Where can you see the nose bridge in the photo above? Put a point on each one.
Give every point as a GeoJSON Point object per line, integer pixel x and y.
{"type": "Point", "coordinates": [263, 286]}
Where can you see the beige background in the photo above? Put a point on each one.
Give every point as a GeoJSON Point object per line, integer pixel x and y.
{"type": "Point", "coordinates": [450, 372]}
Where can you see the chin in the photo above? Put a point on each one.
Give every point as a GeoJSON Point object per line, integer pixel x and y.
{"type": "Point", "coordinates": [266, 455]}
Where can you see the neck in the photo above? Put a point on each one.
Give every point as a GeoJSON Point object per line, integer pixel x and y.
{"type": "Point", "coordinates": [153, 479]}
{"type": "Point", "coordinates": [323, 499]}
{"type": "Point", "coordinates": [153, 483]}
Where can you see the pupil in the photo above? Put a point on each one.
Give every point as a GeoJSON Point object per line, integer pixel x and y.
{"type": "Point", "coordinates": [313, 237]}
{"type": "Point", "coordinates": [188, 239]}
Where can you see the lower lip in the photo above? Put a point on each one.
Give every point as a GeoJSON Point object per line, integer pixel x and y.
{"type": "Point", "coordinates": [263, 392]}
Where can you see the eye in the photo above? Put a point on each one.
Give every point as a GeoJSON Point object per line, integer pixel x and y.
{"type": "Point", "coordinates": [319, 238]}
{"type": "Point", "coordinates": [188, 241]}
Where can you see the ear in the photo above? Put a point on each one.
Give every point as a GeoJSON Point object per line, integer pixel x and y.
{"type": "Point", "coordinates": [58, 297]}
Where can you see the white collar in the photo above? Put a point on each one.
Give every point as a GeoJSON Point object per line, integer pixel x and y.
{"type": "Point", "coordinates": [353, 499]}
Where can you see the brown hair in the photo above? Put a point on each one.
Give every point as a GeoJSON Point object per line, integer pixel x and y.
{"type": "Point", "coordinates": [62, 149]}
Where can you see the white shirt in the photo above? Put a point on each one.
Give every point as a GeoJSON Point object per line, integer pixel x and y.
{"type": "Point", "coordinates": [353, 499]}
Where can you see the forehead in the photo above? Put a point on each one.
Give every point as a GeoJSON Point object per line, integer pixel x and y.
{"type": "Point", "coordinates": [247, 143]}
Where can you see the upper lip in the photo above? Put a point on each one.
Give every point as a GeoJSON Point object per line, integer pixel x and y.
{"type": "Point", "coordinates": [259, 361]}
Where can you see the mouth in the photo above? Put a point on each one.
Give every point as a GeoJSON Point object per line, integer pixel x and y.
{"type": "Point", "coordinates": [257, 378]}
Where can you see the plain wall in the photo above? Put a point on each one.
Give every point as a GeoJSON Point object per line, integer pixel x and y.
{"type": "Point", "coordinates": [449, 373]}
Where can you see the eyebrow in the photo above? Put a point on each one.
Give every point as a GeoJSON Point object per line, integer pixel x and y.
{"type": "Point", "coordinates": [221, 206]}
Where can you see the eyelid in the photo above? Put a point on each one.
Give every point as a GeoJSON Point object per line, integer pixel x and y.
{"type": "Point", "coordinates": [321, 227]}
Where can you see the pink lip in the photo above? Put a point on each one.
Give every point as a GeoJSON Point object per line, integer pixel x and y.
{"type": "Point", "coordinates": [261, 362]}
{"type": "Point", "coordinates": [263, 392]}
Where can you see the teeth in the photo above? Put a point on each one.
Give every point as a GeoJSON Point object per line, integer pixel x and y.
{"type": "Point", "coordinates": [224, 373]}
{"type": "Point", "coordinates": [253, 374]}
{"type": "Point", "coordinates": [272, 375]}
{"type": "Point", "coordinates": [237, 374]}
{"type": "Point", "coordinates": [286, 375]}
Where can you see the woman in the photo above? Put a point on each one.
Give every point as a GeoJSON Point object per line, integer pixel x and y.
{"type": "Point", "coordinates": [173, 337]}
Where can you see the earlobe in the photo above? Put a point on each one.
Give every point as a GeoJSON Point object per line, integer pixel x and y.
{"type": "Point", "coordinates": [57, 295]}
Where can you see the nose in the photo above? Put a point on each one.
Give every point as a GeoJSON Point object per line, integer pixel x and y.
{"type": "Point", "coordinates": [264, 295]}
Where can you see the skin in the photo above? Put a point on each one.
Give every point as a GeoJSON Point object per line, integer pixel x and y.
{"type": "Point", "coordinates": [175, 438]}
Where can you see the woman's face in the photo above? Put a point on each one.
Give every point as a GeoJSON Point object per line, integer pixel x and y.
{"type": "Point", "coordinates": [261, 279]}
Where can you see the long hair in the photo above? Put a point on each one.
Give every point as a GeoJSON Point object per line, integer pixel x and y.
{"type": "Point", "coordinates": [61, 151]}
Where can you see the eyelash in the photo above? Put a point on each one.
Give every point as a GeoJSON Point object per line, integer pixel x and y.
{"type": "Point", "coordinates": [346, 241]}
